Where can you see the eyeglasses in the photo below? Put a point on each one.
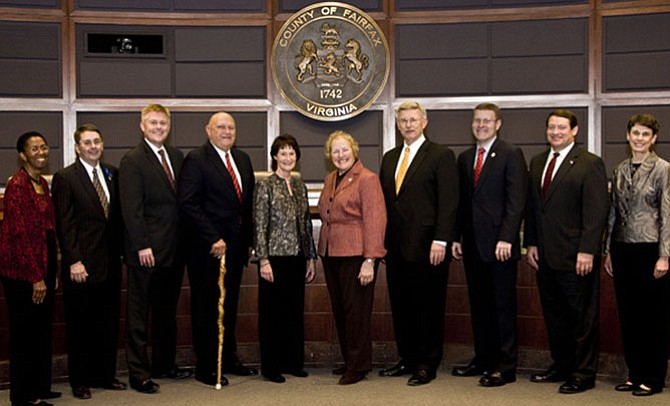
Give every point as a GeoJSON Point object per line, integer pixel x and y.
{"type": "Point", "coordinates": [405, 121]}
{"type": "Point", "coordinates": [88, 143]}
{"type": "Point", "coordinates": [36, 149]}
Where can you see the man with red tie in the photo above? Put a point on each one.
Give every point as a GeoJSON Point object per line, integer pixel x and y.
{"type": "Point", "coordinates": [215, 199]}
{"type": "Point", "coordinates": [153, 251]}
{"type": "Point", "coordinates": [566, 214]}
{"type": "Point", "coordinates": [493, 181]}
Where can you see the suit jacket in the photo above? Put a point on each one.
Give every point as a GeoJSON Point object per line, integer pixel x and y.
{"type": "Point", "coordinates": [572, 217]}
{"type": "Point", "coordinates": [149, 205]}
{"type": "Point", "coordinates": [492, 210]}
{"type": "Point", "coordinates": [353, 217]}
{"type": "Point", "coordinates": [84, 233]}
{"type": "Point", "coordinates": [208, 202]}
{"type": "Point", "coordinates": [425, 207]}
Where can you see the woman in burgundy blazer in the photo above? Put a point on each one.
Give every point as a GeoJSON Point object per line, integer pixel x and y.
{"type": "Point", "coordinates": [28, 273]}
{"type": "Point", "coordinates": [353, 220]}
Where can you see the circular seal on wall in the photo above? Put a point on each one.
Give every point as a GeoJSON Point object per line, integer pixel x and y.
{"type": "Point", "coordinates": [330, 61]}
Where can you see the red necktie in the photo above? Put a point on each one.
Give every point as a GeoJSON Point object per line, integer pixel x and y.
{"type": "Point", "coordinates": [229, 166]}
{"type": "Point", "coordinates": [549, 174]}
{"type": "Point", "coordinates": [166, 168]}
{"type": "Point", "coordinates": [479, 164]}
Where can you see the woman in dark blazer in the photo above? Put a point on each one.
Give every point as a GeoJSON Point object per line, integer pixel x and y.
{"type": "Point", "coordinates": [28, 273]}
{"type": "Point", "coordinates": [353, 220]}
{"type": "Point", "coordinates": [284, 244]}
{"type": "Point", "coordinates": [638, 246]}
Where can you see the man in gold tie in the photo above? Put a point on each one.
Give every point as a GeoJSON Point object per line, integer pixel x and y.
{"type": "Point", "coordinates": [420, 185]}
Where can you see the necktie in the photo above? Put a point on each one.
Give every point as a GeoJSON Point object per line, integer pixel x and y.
{"type": "Point", "coordinates": [101, 193]}
{"type": "Point", "coordinates": [402, 170]}
{"type": "Point", "coordinates": [549, 174]}
{"type": "Point", "coordinates": [479, 164]}
{"type": "Point", "coordinates": [166, 168]}
{"type": "Point", "coordinates": [229, 166]}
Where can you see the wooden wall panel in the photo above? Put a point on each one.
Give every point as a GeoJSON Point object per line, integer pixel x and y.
{"type": "Point", "coordinates": [636, 52]}
{"type": "Point", "coordinates": [125, 78]}
{"type": "Point", "coordinates": [416, 5]}
{"type": "Point", "coordinates": [31, 3]}
{"type": "Point", "coordinates": [291, 6]}
{"type": "Point", "coordinates": [30, 59]}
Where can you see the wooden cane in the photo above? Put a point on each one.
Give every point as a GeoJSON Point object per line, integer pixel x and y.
{"type": "Point", "coordinates": [222, 297]}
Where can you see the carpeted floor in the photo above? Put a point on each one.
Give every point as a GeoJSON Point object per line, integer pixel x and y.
{"type": "Point", "coordinates": [321, 388]}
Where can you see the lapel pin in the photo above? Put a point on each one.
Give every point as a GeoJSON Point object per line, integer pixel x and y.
{"type": "Point", "coordinates": [572, 162]}
{"type": "Point", "coordinates": [493, 154]}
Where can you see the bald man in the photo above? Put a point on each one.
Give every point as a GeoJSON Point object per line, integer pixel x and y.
{"type": "Point", "coordinates": [215, 198]}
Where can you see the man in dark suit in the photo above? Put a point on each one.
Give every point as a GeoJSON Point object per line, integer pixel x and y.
{"type": "Point", "coordinates": [152, 251]}
{"type": "Point", "coordinates": [566, 214]}
{"type": "Point", "coordinates": [215, 199]}
{"type": "Point", "coordinates": [420, 186]}
{"type": "Point", "coordinates": [493, 180]}
{"type": "Point", "coordinates": [89, 226]}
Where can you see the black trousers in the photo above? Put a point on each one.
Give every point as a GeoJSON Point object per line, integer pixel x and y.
{"type": "Point", "coordinates": [492, 294]}
{"type": "Point", "coordinates": [203, 275]}
{"type": "Point", "coordinates": [92, 324]}
{"type": "Point", "coordinates": [281, 307]}
{"type": "Point", "coordinates": [418, 294]}
{"type": "Point", "coordinates": [152, 294]}
{"type": "Point", "coordinates": [352, 309]}
{"type": "Point", "coordinates": [30, 334]}
{"type": "Point", "coordinates": [570, 304]}
{"type": "Point", "coordinates": [644, 312]}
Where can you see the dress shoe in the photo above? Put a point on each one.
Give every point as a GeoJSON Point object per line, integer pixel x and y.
{"type": "Point", "coordinates": [627, 386]}
{"type": "Point", "coordinates": [115, 385]}
{"type": "Point", "coordinates": [50, 395]}
{"type": "Point", "coordinates": [146, 386]}
{"type": "Point", "coordinates": [577, 385]}
{"type": "Point", "coordinates": [240, 370]}
{"type": "Point", "coordinates": [341, 370]}
{"type": "Point", "coordinates": [301, 373]}
{"type": "Point", "coordinates": [550, 375]}
{"type": "Point", "coordinates": [351, 377]}
{"type": "Point", "coordinates": [81, 392]}
{"type": "Point", "coordinates": [421, 377]}
{"type": "Point", "coordinates": [469, 370]}
{"type": "Point", "coordinates": [32, 403]}
{"type": "Point", "coordinates": [175, 373]}
{"type": "Point", "coordinates": [398, 369]}
{"type": "Point", "coordinates": [210, 379]}
{"type": "Point", "coordinates": [644, 390]}
{"type": "Point", "coordinates": [276, 378]}
{"type": "Point", "coordinates": [497, 379]}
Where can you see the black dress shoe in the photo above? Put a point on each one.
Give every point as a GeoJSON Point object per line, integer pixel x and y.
{"type": "Point", "coordinates": [627, 386]}
{"type": "Point", "coordinates": [81, 392]}
{"type": "Point", "coordinates": [146, 386]}
{"type": "Point", "coordinates": [50, 395]}
{"type": "Point", "coordinates": [421, 377]}
{"type": "Point", "coordinates": [175, 373]}
{"type": "Point", "coordinates": [210, 379]}
{"type": "Point", "coordinates": [495, 379]}
{"type": "Point", "coordinates": [240, 370]}
{"type": "Point", "coordinates": [341, 370]}
{"type": "Point", "coordinates": [398, 369]}
{"type": "Point", "coordinates": [299, 373]}
{"type": "Point", "coordinates": [577, 385]}
{"type": "Point", "coordinates": [469, 370]}
{"type": "Point", "coordinates": [644, 390]}
{"type": "Point", "coordinates": [551, 375]}
{"type": "Point", "coordinates": [351, 377]}
{"type": "Point", "coordinates": [276, 378]}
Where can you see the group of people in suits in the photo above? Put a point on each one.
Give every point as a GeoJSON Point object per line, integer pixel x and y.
{"type": "Point", "coordinates": [424, 209]}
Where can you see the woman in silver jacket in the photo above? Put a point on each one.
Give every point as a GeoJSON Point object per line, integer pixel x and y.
{"type": "Point", "coordinates": [638, 246]}
{"type": "Point", "coordinates": [284, 244]}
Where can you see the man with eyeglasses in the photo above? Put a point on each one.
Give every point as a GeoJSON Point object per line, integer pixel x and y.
{"type": "Point", "coordinates": [420, 186]}
{"type": "Point", "coordinates": [89, 228]}
{"type": "Point", "coordinates": [493, 181]}
{"type": "Point", "coordinates": [566, 214]}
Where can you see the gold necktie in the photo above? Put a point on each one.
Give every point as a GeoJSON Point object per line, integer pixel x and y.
{"type": "Point", "coordinates": [101, 193]}
{"type": "Point", "coordinates": [402, 170]}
